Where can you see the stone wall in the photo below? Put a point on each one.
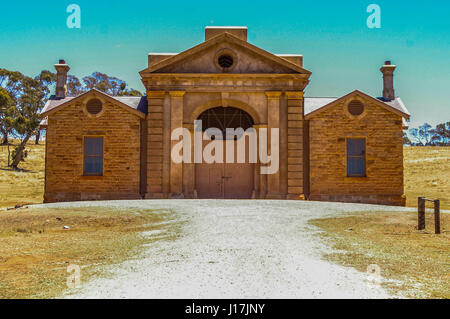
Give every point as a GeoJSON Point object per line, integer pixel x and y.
{"type": "Point", "coordinates": [64, 154]}
{"type": "Point", "coordinates": [295, 146]}
{"type": "Point", "coordinates": [155, 145]}
{"type": "Point", "coordinates": [384, 156]}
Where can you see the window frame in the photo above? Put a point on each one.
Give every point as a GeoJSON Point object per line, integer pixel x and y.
{"type": "Point", "coordinates": [347, 156]}
{"type": "Point", "coordinates": [101, 107]}
{"type": "Point", "coordinates": [84, 156]}
{"type": "Point", "coordinates": [355, 117]}
{"type": "Point", "coordinates": [92, 97]}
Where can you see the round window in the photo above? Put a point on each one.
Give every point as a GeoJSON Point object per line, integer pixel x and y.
{"type": "Point", "coordinates": [94, 106]}
{"type": "Point", "coordinates": [355, 108]}
{"type": "Point", "coordinates": [225, 61]}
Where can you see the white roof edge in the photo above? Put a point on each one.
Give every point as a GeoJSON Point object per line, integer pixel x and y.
{"type": "Point", "coordinates": [321, 97]}
{"type": "Point", "coordinates": [289, 54]}
{"type": "Point", "coordinates": [45, 106]}
{"type": "Point", "coordinates": [402, 105]}
{"type": "Point", "coordinates": [163, 53]}
{"type": "Point", "coordinates": [225, 27]}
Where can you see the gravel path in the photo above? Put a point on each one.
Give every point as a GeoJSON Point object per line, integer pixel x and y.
{"type": "Point", "coordinates": [234, 249]}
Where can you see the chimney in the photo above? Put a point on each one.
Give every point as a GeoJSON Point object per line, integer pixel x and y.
{"type": "Point", "coordinates": [240, 32]}
{"type": "Point", "coordinates": [388, 81]}
{"type": "Point", "coordinates": [61, 78]}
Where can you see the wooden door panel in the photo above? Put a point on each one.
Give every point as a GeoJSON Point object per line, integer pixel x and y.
{"type": "Point", "coordinates": [238, 181]}
{"type": "Point", "coordinates": [208, 180]}
{"type": "Point", "coordinates": [227, 180]}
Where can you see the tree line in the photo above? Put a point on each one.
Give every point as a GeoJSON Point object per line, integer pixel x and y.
{"type": "Point", "coordinates": [426, 135]}
{"type": "Point", "coordinates": [22, 98]}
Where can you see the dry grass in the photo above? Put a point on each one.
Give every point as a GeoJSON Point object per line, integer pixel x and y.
{"type": "Point", "coordinates": [35, 250]}
{"type": "Point", "coordinates": [427, 173]}
{"type": "Point", "coordinates": [27, 185]}
{"type": "Point", "coordinates": [420, 260]}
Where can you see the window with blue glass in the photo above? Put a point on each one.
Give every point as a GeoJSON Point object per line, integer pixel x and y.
{"type": "Point", "coordinates": [93, 156]}
{"type": "Point", "coordinates": [356, 157]}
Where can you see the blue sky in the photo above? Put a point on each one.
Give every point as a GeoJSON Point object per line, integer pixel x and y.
{"type": "Point", "coordinates": [338, 47]}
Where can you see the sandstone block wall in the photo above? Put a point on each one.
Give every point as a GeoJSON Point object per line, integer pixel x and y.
{"type": "Point", "coordinates": [295, 145]}
{"type": "Point", "coordinates": [382, 130]}
{"type": "Point", "coordinates": [64, 154]}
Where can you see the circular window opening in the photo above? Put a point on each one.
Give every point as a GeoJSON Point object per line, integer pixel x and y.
{"type": "Point", "coordinates": [355, 108]}
{"type": "Point", "coordinates": [225, 61]}
{"type": "Point", "coordinates": [94, 106]}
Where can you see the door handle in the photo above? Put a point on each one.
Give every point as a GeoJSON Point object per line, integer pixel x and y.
{"type": "Point", "coordinates": [226, 177]}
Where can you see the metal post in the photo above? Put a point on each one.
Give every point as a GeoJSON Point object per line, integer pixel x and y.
{"type": "Point", "coordinates": [421, 211]}
{"type": "Point", "coordinates": [437, 222]}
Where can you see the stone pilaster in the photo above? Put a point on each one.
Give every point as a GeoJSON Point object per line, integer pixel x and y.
{"type": "Point", "coordinates": [176, 121]}
{"type": "Point", "coordinates": [155, 143]}
{"type": "Point", "coordinates": [295, 145]}
{"type": "Point", "coordinates": [273, 122]}
{"type": "Point", "coordinates": [189, 168]}
{"type": "Point", "coordinates": [260, 179]}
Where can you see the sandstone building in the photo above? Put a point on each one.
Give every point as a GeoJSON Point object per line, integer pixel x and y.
{"type": "Point", "coordinates": [347, 148]}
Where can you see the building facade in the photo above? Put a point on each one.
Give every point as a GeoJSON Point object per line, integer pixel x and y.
{"type": "Point", "coordinates": [347, 148]}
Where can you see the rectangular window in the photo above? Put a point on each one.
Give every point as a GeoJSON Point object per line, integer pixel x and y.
{"type": "Point", "coordinates": [93, 156]}
{"type": "Point", "coordinates": [356, 157]}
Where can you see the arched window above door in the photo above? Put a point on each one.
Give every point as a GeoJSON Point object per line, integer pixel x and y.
{"type": "Point", "coordinates": [225, 117]}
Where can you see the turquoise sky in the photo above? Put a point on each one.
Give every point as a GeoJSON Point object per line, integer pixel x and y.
{"type": "Point", "coordinates": [338, 47]}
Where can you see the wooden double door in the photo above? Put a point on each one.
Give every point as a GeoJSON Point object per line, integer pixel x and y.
{"type": "Point", "coordinates": [226, 180]}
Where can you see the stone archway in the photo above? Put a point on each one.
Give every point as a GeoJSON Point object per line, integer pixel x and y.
{"type": "Point", "coordinates": [225, 102]}
{"type": "Point", "coordinates": [229, 179]}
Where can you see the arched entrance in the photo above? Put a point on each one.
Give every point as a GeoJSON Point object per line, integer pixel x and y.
{"type": "Point", "coordinates": [226, 180]}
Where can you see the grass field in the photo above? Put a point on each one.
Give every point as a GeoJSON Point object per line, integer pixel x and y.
{"type": "Point", "coordinates": [35, 249]}
{"type": "Point", "coordinates": [414, 262]}
{"type": "Point", "coordinates": [427, 173]}
{"type": "Point", "coordinates": [27, 185]}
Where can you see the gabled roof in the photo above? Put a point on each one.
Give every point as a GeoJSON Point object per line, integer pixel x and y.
{"type": "Point", "coordinates": [134, 104]}
{"type": "Point", "coordinates": [316, 105]}
{"type": "Point", "coordinates": [312, 104]}
{"type": "Point", "coordinates": [217, 39]}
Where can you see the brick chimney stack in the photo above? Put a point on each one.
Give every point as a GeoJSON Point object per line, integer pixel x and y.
{"type": "Point", "coordinates": [388, 80]}
{"type": "Point", "coordinates": [61, 78]}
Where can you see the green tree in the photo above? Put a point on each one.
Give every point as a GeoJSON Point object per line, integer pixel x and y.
{"type": "Point", "coordinates": [442, 133]}
{"type": "Point", "coordinates": [10, 81]}
{"type": "Point", "coordinates": [109, 85]}
{"type": "Point", "coordinates": [74, 86]}
{"type": "Point", "coordinates": [25, 117]}
{"type": "Point", "coordinates": [422, 136]}
{"type": "Point", "coordinates": [5, 109]}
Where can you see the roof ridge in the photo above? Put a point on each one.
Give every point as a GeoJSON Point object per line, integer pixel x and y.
{"type": "Point", "coordinates": [322, 97]}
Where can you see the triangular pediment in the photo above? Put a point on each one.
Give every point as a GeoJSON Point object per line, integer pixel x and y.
{"type": "Point", "coordinates": [247, 59]}
{"type": "Point", "coordinates": [54, 105]}
{"type": "Point", "coordinates": [356, 93]}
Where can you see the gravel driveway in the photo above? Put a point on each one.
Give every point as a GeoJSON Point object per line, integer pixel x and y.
{"type": "Point", "coordinates": [234, 249]}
